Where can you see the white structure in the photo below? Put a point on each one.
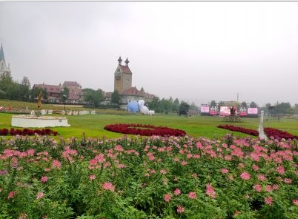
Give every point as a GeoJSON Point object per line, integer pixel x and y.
{"type": "Point", "coordinates": [3, 67]}
{"type": "Point", "coordinates": [27, 121]}
{"type": "Point", "coordinates": [262, 134]}
{"type": "Point", "coordinates": [144, 109]}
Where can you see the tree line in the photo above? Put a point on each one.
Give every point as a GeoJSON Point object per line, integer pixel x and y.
{"type": "Point", "coordinates": [14, 90]}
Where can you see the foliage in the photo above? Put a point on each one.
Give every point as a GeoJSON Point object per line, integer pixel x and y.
{"type": "Point", "coordinates": [95, 97]}
{"type": "Point", "coordinates": [64, 94]}
{"type": "Point", "coordinates": [152, 177]}
{"type": "Point", "coordinates": [184, 107]}
{"type": "Point", "coordinates": [115, 97]}
{"type": "Point", "coordinates": [144, 130]}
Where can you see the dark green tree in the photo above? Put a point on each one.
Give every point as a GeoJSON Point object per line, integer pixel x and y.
{"type": "Point", "coordinates": [115, 97]}
{"type": "Point", "coordinates": [175, 106]}
{"type": "Point", "coordinates": [253, 105]}
{"type": "Point", "coordinates": [213, 103]}
{"type": "Point", "coordinates": [184, 106]}
{"type": "Point", "coordinates": [154, 104]}
{"type": "Point", "coordinates": [94, 97]}
{"type": "Point", "coordinates": [64, 94]}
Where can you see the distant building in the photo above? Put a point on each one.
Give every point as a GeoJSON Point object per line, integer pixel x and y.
{"type": "Point", "coordinates": [54, 92]}
{"type": "Point", "coordinates": [123, 84]}
{"type": "Point", "coordinates": [75, 91]}
{"type": "Point", "coordinates": [3, 67]}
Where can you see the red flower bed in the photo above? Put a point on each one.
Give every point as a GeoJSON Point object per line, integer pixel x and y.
{"type": "Point", "coordinates": [278, 134]}
{"type": "Point", "coordinates": [270, 132]}
{"type": "Point", "coordinates": [144, 130]}
{"type": "Point", "coordinates": [239, 129]}
{"type": "Point", "coordinates": [27, 132]}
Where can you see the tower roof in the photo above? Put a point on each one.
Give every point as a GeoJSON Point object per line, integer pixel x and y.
{"type": "Point", "coordinates": [2, 54]}
{"type": "Point", "coordinates": [125, 69]}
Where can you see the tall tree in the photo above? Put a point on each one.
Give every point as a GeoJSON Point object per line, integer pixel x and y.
{"type": "Point", "coordinates": [176, 104]}
{"type": "Point", "coordinates": [213, 103]}
{"type": "Point", "coordinates": [7, 85]}
{"type": "Point", "coordinates": [253, 105]}
{"type": "Point", "coordinates": [94, 97]}
{"type": "Point", "coordinates": [64, 94]}
{"type": "Point", "coordinates": [115, 97]}
{"type": "Point", "coordinates": [184, 106]}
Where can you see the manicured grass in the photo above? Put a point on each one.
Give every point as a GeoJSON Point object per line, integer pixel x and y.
{"type": "Point", "coordinates": [195, 126]}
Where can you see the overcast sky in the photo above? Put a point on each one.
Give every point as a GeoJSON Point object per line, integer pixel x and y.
{"type": "Point", "coordinates": [193, 51]}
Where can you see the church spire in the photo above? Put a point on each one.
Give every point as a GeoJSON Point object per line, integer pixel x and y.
{"type": "Point", "coordinates": [126, 61]}
{"type": "Point", "coordinates": [2, 54]}
{"type": "Point", "coordinates": [119, 60]}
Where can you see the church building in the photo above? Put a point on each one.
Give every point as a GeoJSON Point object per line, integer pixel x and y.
{"type": "Point", "coordinates": [3, 67]}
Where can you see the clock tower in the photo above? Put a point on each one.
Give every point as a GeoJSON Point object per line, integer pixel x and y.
{"type": "Point", "coordinates": [122, 76]}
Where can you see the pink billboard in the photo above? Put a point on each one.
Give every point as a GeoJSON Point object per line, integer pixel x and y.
{"type": "Point", "coordinates": [205, 109]}
{"type": "Point", "coordinates": [252, 111]}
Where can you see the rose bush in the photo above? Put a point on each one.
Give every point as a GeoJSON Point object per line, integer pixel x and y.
{"type": "Point", "coordinates": [148, 177]}
{"type": "Point", "coordinates": [144, 130]}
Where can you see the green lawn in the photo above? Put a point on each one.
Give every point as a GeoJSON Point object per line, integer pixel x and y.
{"type": "Point", "coordinates": [196, 126]}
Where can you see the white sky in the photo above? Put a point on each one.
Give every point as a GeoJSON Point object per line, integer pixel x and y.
{"type": "Point", "coordinates": [195, 51]}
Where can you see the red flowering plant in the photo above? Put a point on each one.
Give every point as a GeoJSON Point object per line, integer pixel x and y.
{"type": "Point", "coordinates": [144, 130]}
{"type": "Point", "coordinates": [27, 131]}
{"type": "Point", "coordinates": [270, 132]}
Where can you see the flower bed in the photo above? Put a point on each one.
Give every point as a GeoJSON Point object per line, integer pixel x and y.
{"type": "Point", "coordinates": [26, 131]}
{"type": "Point", "coordinates": [270, 132]}
{"type": "Point", "coordinates": [148, 177]}
{"type": "Point", "coordinates": [144, 130]}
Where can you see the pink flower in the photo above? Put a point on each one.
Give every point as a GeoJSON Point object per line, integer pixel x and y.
{"type": "Point", "coordinates": [177, 191]}
{"type": "Point", "coordinates": [280, 170]}
{"type": "Point", "coordinates": [163, 171]}
{"type": "Point", "coordinates": [269, 188]}
{"type": "Point", "coordinates": [108, 186]}
{"type": "Point", "coordinates": [119, 148]}
{"type": "Point", "coordinates": [44, 179]}
{"type": "Point", "coordinates": [262, 177]}
{"type": "Point", "coordinates": [92, 177]}
{"type": "Point", "coordinates": [192, 195]}
{"type": "Point", "coordinates": [11, 194]}
{"type": "Point", "coordinates": [257, 187]}
{"type": "Point", "coordinates": [287, 180]}
{"type": "Point", "coordinates": [39, 195]}
{"type": "Point", "coordinates": [268, 200]}
{"type": "Point", "coordinates": [183, 163]}
{"type": "Point", "coordinates": [295, 202]}
{"type": "Point", "coordinates": [224, 171]}
{"type": "Point", "coordinates": [210, 191]}
{"type": "Point", "coordinates": [245, 176]}
{"type": "Point", "coordinates": [56, 164]}
{"type": "Point", "coordinates": [167, 197]}
{"type": "Point", "coordinates": [255, 167]}
{"type": "Point", "coordinates": [180, 209]}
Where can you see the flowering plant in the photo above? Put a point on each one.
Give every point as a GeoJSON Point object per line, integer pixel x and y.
{"type": "Point", "coordinates": [148, 177]}
{"type": "Point", "coordinates": [144, 130]}
{"type": "Point", "coordinates": [27, 131]}
{"type": "Point", "coordinates": [270, 132]}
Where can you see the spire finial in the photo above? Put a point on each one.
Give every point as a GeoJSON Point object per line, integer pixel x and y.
{"type": "Point", "coordinates": [119, 60]}
{"type": "Point", "coordinates": [126, 61]}
{"type": "Point", "coordinates": [2, 53]}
